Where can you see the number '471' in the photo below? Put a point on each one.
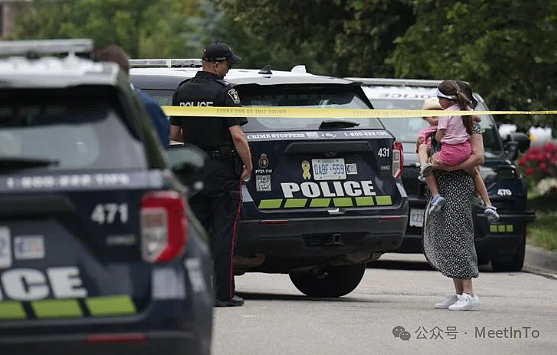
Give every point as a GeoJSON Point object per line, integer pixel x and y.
{"type": "Point", "coordinates": [109, 213]}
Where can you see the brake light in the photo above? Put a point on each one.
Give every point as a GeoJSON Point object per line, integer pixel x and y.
{"type": "Point", "coordinates": [398, 160]}
{"type": "Point", "coordinates": [164, 226]}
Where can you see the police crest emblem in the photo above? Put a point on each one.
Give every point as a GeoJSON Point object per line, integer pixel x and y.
{"type": "Point", "coordinates": [234, 96]}
{"type": "Point", "coordinates": [263, 161]}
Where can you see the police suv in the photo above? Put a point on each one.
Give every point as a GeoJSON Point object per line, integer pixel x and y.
{"type": "Point", "coordinates": [325, 196]}
{"type": "Point", "coordinates": [502, 243]}
{"type": "Point", "coordinates": [99, 252]}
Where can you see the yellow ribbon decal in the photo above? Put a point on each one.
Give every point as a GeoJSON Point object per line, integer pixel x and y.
{"type": "Point", "coordinates": [305, 167]}
{"type": "Point", "coordinates": [293, 112]}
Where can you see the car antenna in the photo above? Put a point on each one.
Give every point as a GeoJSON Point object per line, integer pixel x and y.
{"type": "Point", "coordinates": [266, 70]}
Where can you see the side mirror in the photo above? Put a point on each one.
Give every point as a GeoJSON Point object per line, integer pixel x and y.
{"type": "Point", "coordinates": [511, 149]}
{"type": "Point", "coordinates": [522, 139]}
{"type": "Point", "coordinates": [515, 143]}
{"type": "Point", "coordinates": [188, 163]}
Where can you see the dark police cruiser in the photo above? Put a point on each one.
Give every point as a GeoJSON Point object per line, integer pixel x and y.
{"type": "Point", "coordinates": [99, 252]}
{"type": "Point", "coordinates": [325, 195]}
{"type": "Point", "coordinates": [502, 243]}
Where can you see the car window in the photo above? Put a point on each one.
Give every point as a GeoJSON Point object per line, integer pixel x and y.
{"type": "Point", "coordinates": [301, 97]}
{"type": "Point", "coordinates": [77, 133]}
{"type": "Point", "coordinates": [407, 129]}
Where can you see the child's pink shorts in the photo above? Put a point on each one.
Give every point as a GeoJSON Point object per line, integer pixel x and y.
{"type": "Point", "coordinates": [454, 154]}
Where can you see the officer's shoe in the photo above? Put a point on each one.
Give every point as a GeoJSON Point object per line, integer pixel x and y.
{"type": "Point", "coordinates": [235, 301]}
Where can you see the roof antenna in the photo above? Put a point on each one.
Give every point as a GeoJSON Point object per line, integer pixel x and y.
{"type": "Point", "coordinates": [266, 70]}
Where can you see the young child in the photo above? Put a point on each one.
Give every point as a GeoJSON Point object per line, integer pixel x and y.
{"type": "Point", "coordinates": [454, 134]}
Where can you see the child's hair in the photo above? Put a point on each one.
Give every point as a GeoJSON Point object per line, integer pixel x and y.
{"type": "Point", "coordinates": [467, 90]}
{"type": "Point", "coordinates": [453, 92]}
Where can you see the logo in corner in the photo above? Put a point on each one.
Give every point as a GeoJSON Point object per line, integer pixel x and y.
{"type": "Point", "coordinates": [305, 168]}
{"type": "Point", "coordinates": [263, 161]}
{"type": "Point", "coordinates": [234, 96]}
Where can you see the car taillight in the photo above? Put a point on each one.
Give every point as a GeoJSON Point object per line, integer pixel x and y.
{"type": "Point", "coordinates": [164, 226]}
{"type": "Point", "coordinates": [398, 160]}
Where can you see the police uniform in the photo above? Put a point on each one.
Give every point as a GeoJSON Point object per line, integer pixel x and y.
{"type": "Point", "coordinates": [218, 205]}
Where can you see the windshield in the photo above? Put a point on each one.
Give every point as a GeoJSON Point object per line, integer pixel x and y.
{"type": "Point", "coordinates": [302, 96]}
{"type": "Point", "coordinates": [75, 133]}
{"type": "Point", "coordinates": [407, 129]}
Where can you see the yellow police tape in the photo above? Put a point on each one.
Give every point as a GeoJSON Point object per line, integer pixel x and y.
{"type": "Point", "coordinates": [293, 112]}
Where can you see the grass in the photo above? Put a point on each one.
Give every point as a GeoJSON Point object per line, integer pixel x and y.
{"type": "Point", "coordinates": [543, 231]}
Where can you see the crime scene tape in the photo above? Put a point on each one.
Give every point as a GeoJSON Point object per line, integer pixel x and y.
{"type": "Point", "coordinates": [293, 112]}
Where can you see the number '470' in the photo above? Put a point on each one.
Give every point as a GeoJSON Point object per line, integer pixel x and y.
{"type": "Point", "coordinates": [384, 152]}
{"type": "Point", "coordinates": [109, 213]}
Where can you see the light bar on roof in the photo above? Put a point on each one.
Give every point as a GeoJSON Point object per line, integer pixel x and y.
{"type": "Point", "coordinates": [165, 63]}
{"type": "Point", "coordinates": [47, 46]}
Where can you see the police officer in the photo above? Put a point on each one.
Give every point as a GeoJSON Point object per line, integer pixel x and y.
{"type": "Point", "coordinates": [218, 205]}
{"type": "Point", "coordinates": [158, 118]}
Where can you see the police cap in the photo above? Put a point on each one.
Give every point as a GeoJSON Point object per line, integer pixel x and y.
{"type": "Point", "coordinates": [220, 52]}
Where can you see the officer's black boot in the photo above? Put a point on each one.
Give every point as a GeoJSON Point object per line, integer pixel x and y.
{"type": "Point", "coordinates": [235, 301]}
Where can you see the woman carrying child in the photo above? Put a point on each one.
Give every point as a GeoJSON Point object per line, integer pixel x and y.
{"type": "Point", "coordinates": [454, 133]}
{"type": "Point", "coordinates": [448, 239]}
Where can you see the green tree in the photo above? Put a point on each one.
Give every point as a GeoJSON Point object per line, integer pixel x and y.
{"type": "Point", "coordinates": [339, 37]}
{"type": "Point", "coordinates": [504, 48]}
{"type": "Point", "coordinates": [144, 28]}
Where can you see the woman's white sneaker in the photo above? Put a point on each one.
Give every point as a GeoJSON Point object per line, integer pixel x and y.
{"type": "Point", "coordinates": [448, 301]}
{"type": "Point", "coordinates": [465, 302]}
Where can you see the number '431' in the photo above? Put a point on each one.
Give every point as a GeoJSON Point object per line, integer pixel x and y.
{"type": "Point", "coordinates": [384, 152]}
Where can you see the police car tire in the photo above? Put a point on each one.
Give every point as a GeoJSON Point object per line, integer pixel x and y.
{"type": "Point", "coordinates": [339, 281]}
{"type": "Point", "coordinates": [513, 265]}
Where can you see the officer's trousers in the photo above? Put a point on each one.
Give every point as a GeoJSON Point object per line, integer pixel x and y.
{"type": "Point", "coordinates": [218, 207]}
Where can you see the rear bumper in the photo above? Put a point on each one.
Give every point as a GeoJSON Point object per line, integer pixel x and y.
{"type": "Point", "coordinates": [493, 241]}
{"type": "Point", "coordinates": [321, 237]}
{"type": "Point", "coordinates": [77, 344]}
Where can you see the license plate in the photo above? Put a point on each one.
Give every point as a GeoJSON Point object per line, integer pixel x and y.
{"type": "Point", "coordinates": [416, 218]}
{"type": "Point", "coordinates": [5, 248]}
{"type": "Point", "coordinates": [328, 169]}
{"type": "Point", "coordinates": [29, 247]}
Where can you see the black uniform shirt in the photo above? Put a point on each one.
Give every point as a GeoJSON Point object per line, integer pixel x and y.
{"type": "Point", "coordinates": [206, 89]}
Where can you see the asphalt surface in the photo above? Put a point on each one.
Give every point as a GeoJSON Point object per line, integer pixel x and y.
{"type": "Point", "coordinates": [399, 291]}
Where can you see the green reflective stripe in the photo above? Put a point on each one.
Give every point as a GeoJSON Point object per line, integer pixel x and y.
{"type": "Point", "coordinates": [383, 200]}
{"type": "Point", "coordinates": [501, 228]}
{"type": "Point", "coordinates": [364, 201]}
{"type": "Point", "coordinates": [295, 202]}
{"type": "Point", "coordinates": [56, 308]}
{"type": "Point", "coordinates": [510, 228]}
{"type": "Point", "coordinates": [268, 204]}
{"type": "Point", "coordinates": [493, 229]}
{"type": "Point", "coordinates": [110, 306]}
{"type": "Point", "coordinates": [342, 202]}
{"type": "Point", "coordinates": [320, 202]}
{"type": "Point", "coordinates": [12, 310]}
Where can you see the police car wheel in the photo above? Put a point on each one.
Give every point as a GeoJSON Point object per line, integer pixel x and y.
{"type": "Point", "coordinates": [333, 282]}
{"type": "Point", "coordinates": [515, 264]}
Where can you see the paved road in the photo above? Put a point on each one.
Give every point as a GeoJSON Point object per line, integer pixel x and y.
{"type": "Point", "coordinates": [277, 319]}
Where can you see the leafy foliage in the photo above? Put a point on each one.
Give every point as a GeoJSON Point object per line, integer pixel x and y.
{"type": "Point", "coordinates": [504, 48]}
{"type": "Point", "coordinates": [339, 37]}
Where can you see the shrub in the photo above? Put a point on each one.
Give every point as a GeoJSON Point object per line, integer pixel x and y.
{"type": "Point", "coordinates": [540, 165]}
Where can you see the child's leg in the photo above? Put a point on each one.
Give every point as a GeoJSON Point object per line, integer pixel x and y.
{"type": "Point", "coordinates": [423, 157]}
{"type": "Point", "coordinates": [480, 186]}
{"type": "Point", "coordinates": [423, 153]}
{"type": "Point", "coordinates": [490, 211]}
{"type": "Point", "coordinates": [437, 201]}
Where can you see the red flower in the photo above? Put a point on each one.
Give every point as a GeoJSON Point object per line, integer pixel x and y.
{"type": "Point", "coordinates": [543, 166]}
{"type": "Point", "coordinates": [529, 171]}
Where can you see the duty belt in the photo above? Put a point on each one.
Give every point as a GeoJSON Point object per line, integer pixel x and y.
{"type": "Point", "coordinates": [221, 153]}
